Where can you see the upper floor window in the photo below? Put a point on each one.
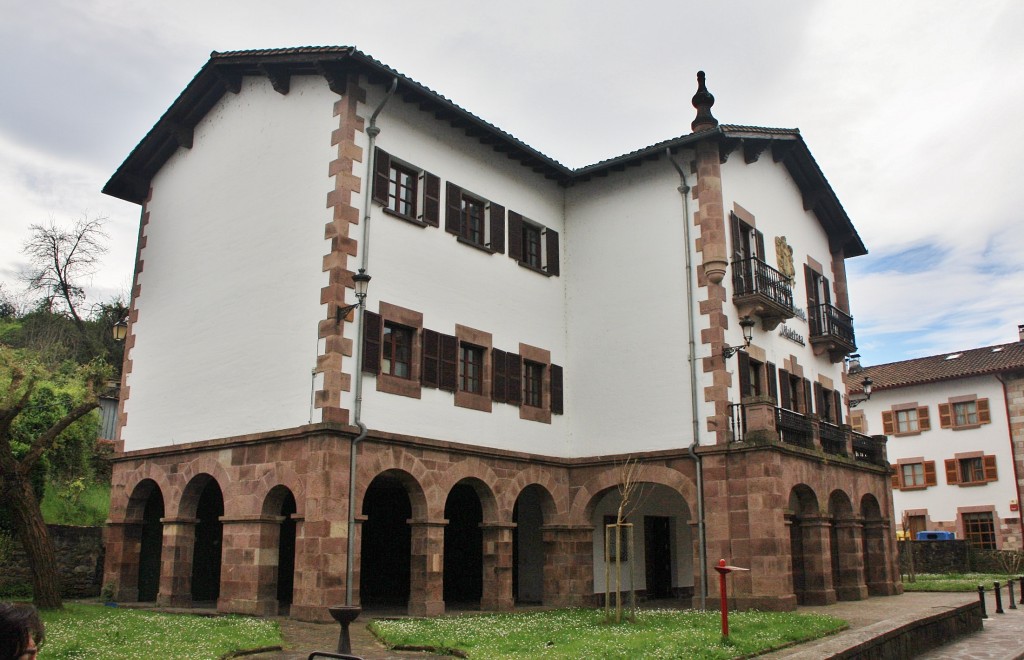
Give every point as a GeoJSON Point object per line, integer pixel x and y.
{"type": "Point", "coordinates": [905, 419]}
{"type": "Point", "coordinates": [964, 412]}
{"type": "Point", "coordinates": [914, 473]}
{"type": "Point", "coordinates": [474, 220]}
{"type": "Point", "coordinates": [971, 469]}
{"type": "Point", "coordinates": [471, 368]}
{"type": "Point", "coordinates": [533, 384]}
{"type": "Point", "coordinates": [392, 349]}
{"type": "Point", "coordinates": [406, 191]}
{"type": "Point", "coordinates": [795, 392]}
{"type": "Point", "coordinates": [396, 350]}
{"type": "Point", "coordinates": [532, 245]}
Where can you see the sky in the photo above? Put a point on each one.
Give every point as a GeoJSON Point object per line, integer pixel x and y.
{"type": "Point", "coordinates": [912, 110]}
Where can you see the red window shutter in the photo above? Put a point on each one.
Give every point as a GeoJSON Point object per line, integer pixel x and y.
{"type": "Point", "coordinates": [923, 421]}
{"type": "Point", "coordinates": [449, 379]}
{"type": "Point", "coordinates": [431, 199]}
{"type": "Point", "coordinates": [983, 415]}
{"type": "Point", "coordinates": [808, 410]}
{"type": "Point", "coordinates": [888, 423]}
{"type": "Point", "coordinates": [430, 375]}
{"type": "Point", "coordinates": [952, 472]}
{"type": "Point", "coordinates": [759, 239]}
{"type": "Point", "coordinates": [773, 387]}
{"type": "Point", "coordinates": [896, 478]}
{"type": "Point", "coordinates": [990, 468]}
{"type": "Point", "coordinates": [381, 170]}
{"type": "Point", "coordinates": [515, 236]}
{"type": "Point", "coordinates": [371, 342]}
{"type": "Point", "coordinates": [787, 399]}
{"type": "Point", "coordinates": [499, 382]}
{"type": "Point", "coordinates": [453, 208]}
{"type": "Point", "coordinates": [929, 473]}
{"type": "Point", "coordinates": [551, 237]}
{"type": "Point", "coordinates": [743, 369]}
{"type": "Point", "coordinates": [557, 406]}
{"type": "Point", "coordinates": [497, 216]}
{"type": "Point", "coordinates": [838, 408]}
{"type": "Point", "coordinates": [514, 376]}
{"type": "Point", "coordinates": [945, 416]}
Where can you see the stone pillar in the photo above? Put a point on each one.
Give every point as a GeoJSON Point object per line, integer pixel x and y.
{"type": "Point", "coordinates": [426, 575]}
{"type": "Point", "coordinates": [696, 602]}
{"type": "Point", "coordinates": [123, 542]}
{"type": "Point", "coordinates": [760, 414]}
{"type": "Point", "coordinates": [876, 564]}
{"type": "Point", "coordinates": [319, 568]}
{"type": "Point", "coordinates": [568, 565]}
{"type": "Point", "coordinates": [176, 562]}
{"type": "Point", "coordinates": [497, 580]}
{"type": "Point", "coordinates": [851, 560]}
{"type": "Point", "coordinates": [817, 556]}
{"type": "Point", "coordinates": [248, 578]}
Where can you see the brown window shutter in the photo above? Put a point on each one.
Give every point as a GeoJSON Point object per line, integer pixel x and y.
{"type": "Point", "coordinates": [515, 236]}
{"type": "Point", "coordinates": [990, 468]}
{"type": "Point", "coordinates": [430, 375]}
{"type": "Point", "coordinates": [514, 378]}
{"type": "Point", "coordinates": [896, 478]}
{"type": "Point", "coordinates": [743, 372]}
{"type": "Point", "coordinates": [497, 216]}
{"type": "Point", "coordinates": [449, 379]}
{"type": "Point", "coordinates": [551, 238]}
{"type": "Point", "coordinates": [499, 378]}
{"type": "Point", "coordinates": [431, 199]}
{"type": "Point", "coordinates": [838, 408]}
{"type": "Point", "coordinates": [773, 386]}
{"type": "Point", "coordinates": [952, 472]}
{"type": "Point", "coordinates": [557, 406]}
{"type": "Point", "coordinates": [888, 423]}
{"type": "Point", "coordinates": [453, 208]}
{"type": "Point", "coordinates": [371, 342]}
{"type": "Point", "coordinates": [827, 288]}
{"type": "Point", "coordinates": [759, 239]}
{"type": "Point", "coordinates": [945, 416]}
{"type": "Point", "coordinates": [923, 421]}
{"type": "Point", "coordinates": [983, 415]}
{"type": "Point", "coordinates": [812, 291]}
{"type": "Point", "coordinates": [929, 473]}
{"type": "Point", "coordinates": [819, 399]}
{"type": "Point", "coordinates": [787, 399]}
{"type": "Point", "coordinates": [381, 170]}
{"type": "Point", "coordinates": [808, 410]}
{"type": "Point", "coordinates": [737, 241]}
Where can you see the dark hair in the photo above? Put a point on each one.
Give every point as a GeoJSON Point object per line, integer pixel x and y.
{"type": "Point", "coordinates": [17, 624]}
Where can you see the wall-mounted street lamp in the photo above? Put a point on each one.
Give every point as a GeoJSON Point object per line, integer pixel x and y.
{"type": "Point", "coordinates": [120, 329]}
{"type": "Point", "coordinates": [747, 324]}
{"type": "Point", "coordinates": [360, 282]}
{"type": "Point", "coordinates": [857, 399]}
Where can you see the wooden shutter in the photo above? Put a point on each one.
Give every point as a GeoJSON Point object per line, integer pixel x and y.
{"type": "Point", "coordinates": [430, 375]}
{"type": "Point", "coordinates": [945, 416]}
{"type": "Point", "coordinates": [773, 387]}
{"type": "Point", "coordinates": [381, 170]}
{"type": "Point", "coordinates": [808, 410]}
{"type": "Point", "coordinates": [896, 477]}
{"type": "Point", "coordinates": [838, 414]}
{"type": "Point", "coordinates": [825, 289]}
{"type": "Point", "coordinates": [983, 414]}
{"type": "Point", "coordinates": [786, 398]}
{"type": "Point", "coordinates": [929, 473]}
{"type": "Point", "coordinates": [431, 199]}
{"type": "Point", "coordinates": [514, 376]}
{"type": "Point", "coordinates": [515, 236]}
{"type": "Point", "coordinates": [499, 381]}
{"type": "Point", "coordinates": [371, 342]}
{"type": "Point", "coordinates": [812, 290]}
{"type": "Point", "coordinates": [990, 468]}
{"type": "Point", "coordinates": [497, 216]}
{"type": "Point", "coordinates": [449, 379]}
{"type": "Point", "coordinates": [924, 422]}
{"type": "Point", "coordinates": [453, 208]}
{"type": "Point", "coordinates": [557, 406]}
{"type": "Point", "coordinates": [819, 399]}
{"type": "Point", "coordinates": [743, 368]}
{"type": "Point", "coordinates": [759, 239]}
{"type": "Point", "coordinates": [551, 238]}
{"type": "Point", "coordinates": [737, 239]}
{"type": "Point", "coordinates": [952, 472]}
{"type": "Point", "coordinates": [888, 422]}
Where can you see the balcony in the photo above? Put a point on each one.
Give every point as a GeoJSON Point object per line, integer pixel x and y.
{"type": "Point", "coordinates": [759, 289]}
{"type": "Point", "coordinates": [831, 331]}
{"type": "Point", "coordinates": [794, 428]}
{"type": "Point", "coordinates": [833, 439]}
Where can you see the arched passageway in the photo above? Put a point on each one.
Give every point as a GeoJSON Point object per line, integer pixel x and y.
{"type": "Point", "coordinates": [386, 544]}
{"type": "Point", "coordinates": [279, 505]}
{"type": "Point", "coordinates": [463, 547]}
{"type": "Point", "coordinates": [206, 555]}
{"type": "Point", "coordinates": [528, 545]}
{"type": "Point", "coordinates": [151, 544]}
{"type": "Point", "coordinates": [807, 546]}
{"type": "Point", "coordinates": [846, 548]}
{"type": "Point", "coordinates": [873, 547]}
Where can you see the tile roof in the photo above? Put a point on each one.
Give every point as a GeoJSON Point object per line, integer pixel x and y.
{"type": "Point", "coordinates": [947, 366]}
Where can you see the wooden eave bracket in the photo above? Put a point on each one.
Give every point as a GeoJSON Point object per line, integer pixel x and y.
{"type": "Point", "coordinates": [813, 197]}
{"type": "Point", "coordinates": [279, 76]}
{"type": "Point", "coordinates": [752, 150]}
{"type": "Point", "coordinates": [182, 134]}
{"type": "Point", "coordinates": [781, 149]}
{"type": "Point", "coordinates": [232, 81]}
{"type": "Point", "coordinates": [726, 147]}
{"type": "Point", "coordinates": [336, 77]}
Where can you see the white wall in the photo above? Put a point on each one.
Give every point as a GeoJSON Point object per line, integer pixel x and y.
{"type": "Point", "coordinates": [230, 297]}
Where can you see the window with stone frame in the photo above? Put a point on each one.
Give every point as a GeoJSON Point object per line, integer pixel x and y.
{"type": "Point", "coordinates": [964, 412]}
{"type": "Point", "coordinates": [756, 378]}
{"type": "Point", "coordinates": [905, 419]}
{"type": "Point", "coordinates": [971, 469]}
{"type": "Point", "coordinates": [474, 220]}
{"type": "Point", "coordinates": [406, 191]}
{"type": "Point", "coordinates": [914, 474]}
{"type": "Point", "coordinates": [392, 349]}
{"type": "Point", "coordinates": [828, 404]}
{"type": "Point", "coordinates": [471, 368]}
{"type": "Point", "coordinates": [979, 530]}
{"type": "Point", "coordinates": [533, 384]}
{"type": "Point", "coordinates": [532, 245]}
{"type": "Point", "coordinates": [794, 392]}
{"type": "Point", "coordinates": [396, 350]}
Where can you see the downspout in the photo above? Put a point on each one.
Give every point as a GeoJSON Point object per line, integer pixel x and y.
{"type": "Point", "coordinates": [684, 191]}
{"type": "Point", "coordinates": [371, 131]}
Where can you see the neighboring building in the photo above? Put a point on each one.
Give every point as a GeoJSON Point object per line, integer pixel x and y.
{"type": "Point", "coordinates": [956, 427]}
{"type": "Point", "coordinates": [527, 329]}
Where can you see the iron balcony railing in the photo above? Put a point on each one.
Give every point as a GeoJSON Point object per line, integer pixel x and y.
{"type": "Point", "coordinates": [794, 428]}
{"type": "Point", "coordinates": [868, 449]}
{"type": "Point", "coordinates": [752, 276]}
{"type": "Point", "coordinates": [833, 439]}
{"type": "Point", "coordinates": [829, 321]}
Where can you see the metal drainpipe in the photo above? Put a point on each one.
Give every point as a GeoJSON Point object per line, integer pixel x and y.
{"type": "Point", "coordinates": [684, 191]}
{"type": "Point", "coordinates": [371, 131]}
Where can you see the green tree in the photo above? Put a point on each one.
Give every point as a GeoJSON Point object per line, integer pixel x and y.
{"type": "Point", "coordinates": [35, 417]}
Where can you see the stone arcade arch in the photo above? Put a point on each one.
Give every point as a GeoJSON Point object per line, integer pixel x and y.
{"type": "Point", "coordinates": [464, 544]}
{"type": "Point", "coordinates": [203, 503]}
{"type": "Point", "coordinates": [874, 548]}
{"type": "Point", "coordinates": [809, 548]}
{"type": "Point", "coordinates": [276, 560]}
{"type": "Point", "coordinates": [386, 543]}
{"type": "Point", "coordinates": [845, 548]}
{"type": "Point", "coordinates": [532, 509]}
{"type": "Point", "coordinates": [143, 532]}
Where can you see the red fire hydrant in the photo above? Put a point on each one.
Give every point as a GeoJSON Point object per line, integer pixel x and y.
{"type": "Point", "coordinates": [724, 570]}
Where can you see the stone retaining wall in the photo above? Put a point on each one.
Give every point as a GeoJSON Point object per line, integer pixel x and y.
{"type": "Point", "coordinates": [79, 552]}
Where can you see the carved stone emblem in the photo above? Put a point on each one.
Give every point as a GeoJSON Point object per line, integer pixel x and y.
{"type": "Point", "coordinates": [784, 256]}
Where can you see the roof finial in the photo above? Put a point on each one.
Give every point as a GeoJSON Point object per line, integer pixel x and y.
{"type": "Point", "coordinates": [703, 100]}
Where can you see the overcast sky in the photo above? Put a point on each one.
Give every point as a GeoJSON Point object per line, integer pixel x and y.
{"type": "Point", "coordinates": [912, 109]}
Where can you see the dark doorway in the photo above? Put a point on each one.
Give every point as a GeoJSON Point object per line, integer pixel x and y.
{"type": "Point", "coordinates": [206, 554]}
{"type": "Point", "coordinates": [528, 547]}
{"type": "Point", "coordinates": [796, 549]}
{"type": "Point", "coordinates": [286, 555]}
{"type": "Point", "coordinates": [150, 546]}
{"type": "Point", "coordinates": [387, 544]}
{"type": "Point", "coordinates": [463, 547]}
{"type": "Point", "coordinates": [658, 556]}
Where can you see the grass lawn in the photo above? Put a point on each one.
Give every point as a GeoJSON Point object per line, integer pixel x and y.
{"type": "Point", "coordinates": [582, 633]}
{"type": "Point", "coordinates": [956, 581]}
{"type": "Point", "coordinates": [94, 631]}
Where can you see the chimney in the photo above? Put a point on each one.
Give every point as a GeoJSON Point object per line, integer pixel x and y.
{"type": "Point", "coordinates": [1020, 332]}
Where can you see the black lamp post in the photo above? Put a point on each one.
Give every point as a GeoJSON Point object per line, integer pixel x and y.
{"type": "Point", "coordinates": [747, 325]}
{"type": "Point", "coordinates": [360, 282]}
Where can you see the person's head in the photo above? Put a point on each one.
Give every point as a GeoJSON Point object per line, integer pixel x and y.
{"type": "Point", "coordinates": [21, 631]}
